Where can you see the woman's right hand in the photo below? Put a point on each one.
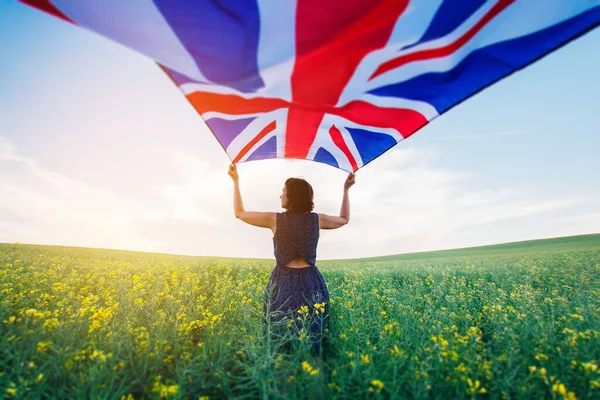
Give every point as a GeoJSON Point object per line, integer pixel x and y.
{"type": "Point", "coordinates": [349, 181]}
{"type": "Point", "coordinates": [233, 172]}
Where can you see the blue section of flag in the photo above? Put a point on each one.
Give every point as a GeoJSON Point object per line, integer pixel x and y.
{"type": "Point", "coordinates": [448, 17]}
{"type": "Point", "coordinates": [325, 157]}
{"type": "Point", "coordinates": [267, 150]}
{"type": "Point", "coordinates": [221, 36]}
{"type": "Point", "coordinates": [370, 144]}
{"type": "Point", "coordinates": [486, 65]}
{"type": "Point", "coordinates": [226, 130]}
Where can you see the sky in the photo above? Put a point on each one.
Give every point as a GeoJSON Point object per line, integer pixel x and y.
{"type": "Point", "coordinates": [98, 148]}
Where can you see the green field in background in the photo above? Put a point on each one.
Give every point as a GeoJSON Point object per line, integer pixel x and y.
{"type": "Point", "coordinates": [515, 320]}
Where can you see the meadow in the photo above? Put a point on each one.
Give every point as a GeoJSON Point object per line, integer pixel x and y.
{"type": "Point", "coordinates": [518, 320]}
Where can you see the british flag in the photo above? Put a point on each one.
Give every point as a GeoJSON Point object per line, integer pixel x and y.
{"type": "Point", "coordinates": [334, 81]}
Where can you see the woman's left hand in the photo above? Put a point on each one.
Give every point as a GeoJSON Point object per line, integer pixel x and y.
{"type": "Point", "coordinates": [233, 172]}
{"type": "Point", "coordinates": [349, 181]}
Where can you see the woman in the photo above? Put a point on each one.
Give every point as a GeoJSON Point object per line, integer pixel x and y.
{"type": "Point", "coordinates": [296, 290]}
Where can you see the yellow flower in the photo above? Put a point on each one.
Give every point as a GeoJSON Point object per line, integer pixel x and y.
{"type": "Point", "coordinates": [40, 377]}
{"type": "Point", "coordinates": [43, 346]}
{"type": "Point", "coordinates": [365, 359]}
{"type": "Point", "coordinates": [303, 335]}
{"type": "Point", "coordinates": [475, 387]}
{"type": "Point", "coordinates": [474, 331]}
{"type": "Point", "coordinates": [332, 386]}
{"type": "Point", "coordinates": [306, 366]}
{"type": "Point", "coordinates": [590, 366]}
{"type": "Point", "coordinates": [99, 355]}
{"type": "Point", "coordinates": [577, 316]}
{"type": "Point", "coordinates": [119, 365]}
{"type": "Point", "coordinates": [303, 310]}
{"type": "Point", "coordinates": [35, 313]}
{"type": "Point", "coordinates": [396, 351]}
{"type": "Point", "coordinates": [377, 384]}
{"type": "Point", "coordinates": [309, 369]}
{"type": "Point", "coordinates": [320, 307]}
{"type": "Point", "coordinates": [560, 388]}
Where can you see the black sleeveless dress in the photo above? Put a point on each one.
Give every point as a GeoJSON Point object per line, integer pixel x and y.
{"type": "Point", "coordinates": [297, 294]}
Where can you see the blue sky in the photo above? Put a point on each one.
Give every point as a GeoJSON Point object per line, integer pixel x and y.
{"type": "Point", "coordinates": [98, 148]}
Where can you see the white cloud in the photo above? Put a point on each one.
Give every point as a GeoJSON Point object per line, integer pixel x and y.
{"type": "Point", "coordinates": [40, 206]}
{"type": "Point", "coordinates": [402, 202]}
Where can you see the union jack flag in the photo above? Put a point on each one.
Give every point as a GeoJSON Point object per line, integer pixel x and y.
{"type": "Point", "coordinates": [334, 81]}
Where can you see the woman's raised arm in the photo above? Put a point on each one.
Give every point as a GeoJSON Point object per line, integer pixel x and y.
{"type": "Point", "coordinates": [333, 222]}
{"type": "Point", "coordinates": [256, 218]}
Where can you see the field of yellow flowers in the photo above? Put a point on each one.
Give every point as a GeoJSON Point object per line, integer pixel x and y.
{"type": "Point", "coordinates": [520, 321]}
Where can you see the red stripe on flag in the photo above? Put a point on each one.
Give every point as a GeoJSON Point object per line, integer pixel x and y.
{"type": "Point", "coordinates": [46, 6]}
{"type": "Point", "coordinates": [301, 130]}
{"type": "Point", "coordinates": [332, 37]}
{"type": "Point", "coordinates": [404, 120]}
{"type": "Point", "coordinates": [337, 138]}
{"type": "Point", "coordinates": [443, 51]}
{"type": "Point", "coordinates": [248, 146]}
{"type": "Point", "coordinates": [233, 104]}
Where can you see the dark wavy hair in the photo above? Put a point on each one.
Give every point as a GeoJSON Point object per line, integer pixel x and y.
{"type": "Point", "coordinates": [300, 195]}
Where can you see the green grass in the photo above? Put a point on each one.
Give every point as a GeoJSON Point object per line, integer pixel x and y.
{"type": "Point", "coordinates": [568, 243]}
{"type": "Point", "coordinates": [516, 320]}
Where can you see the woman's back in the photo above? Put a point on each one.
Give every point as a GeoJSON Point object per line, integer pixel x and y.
{"type": "Point", "coordinates": [295, 288]}
{"type": "Point", "coordinates": [296, 238]}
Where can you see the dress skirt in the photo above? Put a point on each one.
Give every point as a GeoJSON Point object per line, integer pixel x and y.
{"type": "Point", "coordinates": [297, 301]}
